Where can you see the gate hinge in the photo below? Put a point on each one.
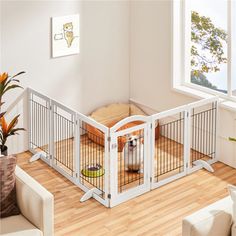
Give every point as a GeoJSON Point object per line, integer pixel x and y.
{"type": "Point", "coordinates": [187, 165]}
{"type": "Point", "coordinates": [109, 139]}
{"type": "Point", "coordinates": [150, 179]}
{"type": "Point", "coordinates": [109, 195]}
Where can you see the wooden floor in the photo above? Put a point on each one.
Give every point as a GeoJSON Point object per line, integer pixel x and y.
{"type": "Point", "coordinates": [159, 212]}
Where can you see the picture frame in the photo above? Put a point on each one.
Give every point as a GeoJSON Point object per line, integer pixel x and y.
{"type": "Point", "coordinates": [65, 35]}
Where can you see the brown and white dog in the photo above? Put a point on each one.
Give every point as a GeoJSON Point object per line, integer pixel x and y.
{"type": "Point", "coordinates": [133, 154]}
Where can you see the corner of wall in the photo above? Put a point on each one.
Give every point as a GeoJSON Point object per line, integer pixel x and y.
{"type": "Point", "coordinates": [130, 39]}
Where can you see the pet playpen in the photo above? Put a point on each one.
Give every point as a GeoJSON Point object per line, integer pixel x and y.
{"type": "Point", "coordinates": [94, 161]}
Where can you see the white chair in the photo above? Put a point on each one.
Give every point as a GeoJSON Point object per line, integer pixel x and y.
{"type": "Point", "coordinates": [213, 220]}
{"type": "Point", "coordinates": [37, 209]}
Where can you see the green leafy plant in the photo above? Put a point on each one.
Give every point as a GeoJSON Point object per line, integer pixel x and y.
{"type": "Point", "coordinates": [7, 83]}
{"type": "Point", "coordinates": [8, 130]}
{"type": "Point", "coordinates": [207, 50]}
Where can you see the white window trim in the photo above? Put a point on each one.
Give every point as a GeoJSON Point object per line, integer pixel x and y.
{"type": "Point", "coordinates": [180, 51]}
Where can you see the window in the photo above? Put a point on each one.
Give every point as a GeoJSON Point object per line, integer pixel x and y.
{"type": "Point", "coordinates": [208, 34]}
{"type": "Point", "coordinates": [233, 25]}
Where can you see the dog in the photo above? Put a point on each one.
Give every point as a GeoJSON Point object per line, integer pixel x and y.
{"type": "Point", "coordinates": [133, 154]}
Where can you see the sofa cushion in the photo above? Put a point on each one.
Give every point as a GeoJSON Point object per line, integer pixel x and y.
{"type": "Point", "coordinates": [233, 230]}
{"type": "Point", "coordinates": [8, 202]}
{"type": "Point", "coordinates": [35, 202]}
{"type": "Point", "coordinates": [232, 191]}
{"type": "Point", "coordinates": [18, 225]}
{"type": "Point", "coordinates": [213, 220]}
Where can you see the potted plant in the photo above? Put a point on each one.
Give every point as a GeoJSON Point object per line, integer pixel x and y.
{"type": "Point", "coordinates": [7, 131]}
{"type": "Point", "coordinates": [7, 83]}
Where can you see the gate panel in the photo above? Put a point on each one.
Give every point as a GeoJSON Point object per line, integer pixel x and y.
{"type": "Point", "coordinates": [63, 139]}
{"type": "Point", "coordinates": [130, 163]}
{"type": "Point", "coordinates": [93, 165]}
{"type": "Point", "coordinates": [203, 133]}
{"type": "Point", "coordinates": [39, 124]}
{"type": "Point", "coordinates": [169, 150]}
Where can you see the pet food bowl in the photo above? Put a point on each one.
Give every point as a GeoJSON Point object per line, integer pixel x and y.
{"type": "Point", "coordinates": [93, 171]}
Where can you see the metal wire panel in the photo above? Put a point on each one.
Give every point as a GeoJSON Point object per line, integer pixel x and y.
{"type": "Point", "coordinates": [92, 158]}
{"type": "Point", "coordinates": [203, 140]}
{"type": "Point", "coordinates": [169, 147]}
{"type": "Point", "coordinates": [39, 124]}
{"type": "Point", "coordinates": [130, 160]}
{"type": "Point", "coordinates": [63, 139]}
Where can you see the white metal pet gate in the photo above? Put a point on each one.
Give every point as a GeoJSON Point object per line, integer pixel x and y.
{"type": "Point", "coordinates": [117, 164]}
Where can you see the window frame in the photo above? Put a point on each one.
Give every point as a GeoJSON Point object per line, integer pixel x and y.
{"type": "Point", "coordinates": [181, 23]}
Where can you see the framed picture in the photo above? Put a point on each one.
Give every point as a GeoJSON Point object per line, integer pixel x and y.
{"type": "Point", "coordinates": [65, 35]}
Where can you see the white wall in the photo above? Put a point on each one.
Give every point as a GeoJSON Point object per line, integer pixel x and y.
{"type": "Point", "coordinates": [97, 76]}
{"type": "Point", "coordinates": [227, 128]}
{"type": "Point", "coordinates": [151, 65]}
{"type": "Point", "coordinates": [151, 55]}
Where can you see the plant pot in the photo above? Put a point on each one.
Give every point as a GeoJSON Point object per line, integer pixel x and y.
{"type": "Point", "coordinates": [4, 150]}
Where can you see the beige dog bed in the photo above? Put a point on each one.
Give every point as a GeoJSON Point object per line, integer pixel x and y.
{"type": "Point", "coordinates": [109, 116]}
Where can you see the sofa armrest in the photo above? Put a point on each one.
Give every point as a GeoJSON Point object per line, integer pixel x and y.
{"type": "Point", "coordinates": [213, 220]}
{"type": "Point", "coordinates": [35, 202]}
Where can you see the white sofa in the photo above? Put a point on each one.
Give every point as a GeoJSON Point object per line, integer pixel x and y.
{"type": "Point", "coordinates": [37, 209]}
{"type": "Point", "coordinates": [213, 220]}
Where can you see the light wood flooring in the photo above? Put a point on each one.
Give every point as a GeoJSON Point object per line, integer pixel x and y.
{"type": "Point", "coordinates": [159, 212]}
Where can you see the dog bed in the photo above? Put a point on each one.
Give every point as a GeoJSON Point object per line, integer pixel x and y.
{"type": "Point", "coordinates": [109, 116]}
